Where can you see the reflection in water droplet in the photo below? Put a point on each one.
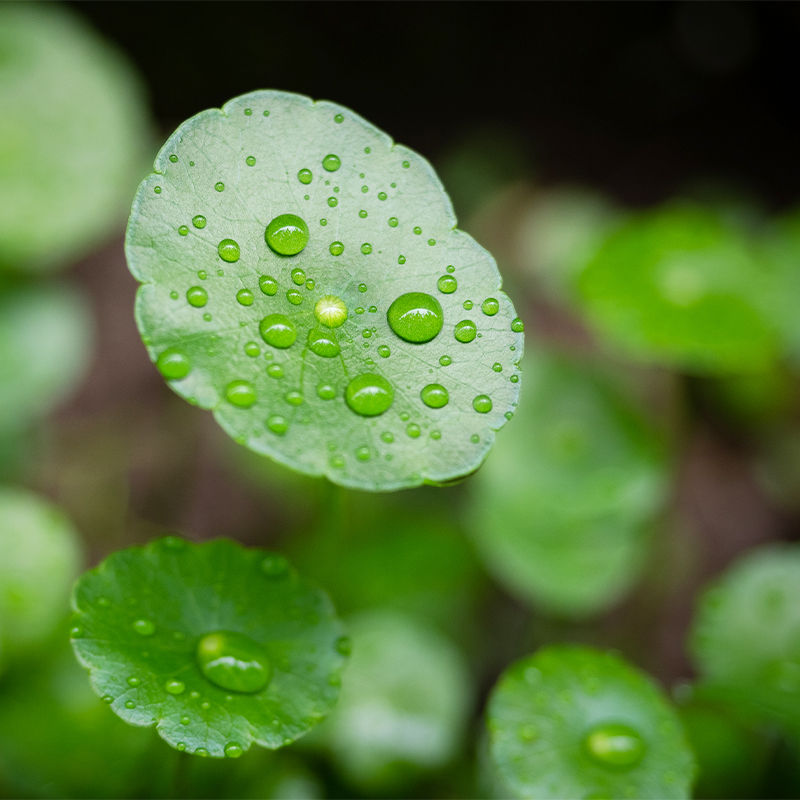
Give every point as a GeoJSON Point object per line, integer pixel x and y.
{"type": "Point", "coordinates": [250, 161]}
{"type": "Point", "coordinates": [183, 230]}
{"type": "Point", "coordinates": [338, 118]}
{"type": "Point", "coordinates": [294, 297]}
{"type": "Point", "coordinates": [366, 248]}
{"type": "Point", "coordinates": [336, 248]}
{"type": "Point", "coordinates": [401, 260]}
{"type": "Point", "coordinates": [330, 311]}
{"type": "Point", "coordinates": [219, 186]}
{"type": "Point", "coordinates": [482, 404]}
{"type": "Point", "coordinates": [434, 395]}
{"type": "Point", "coordinates": [268, 285]}
{"type": "Point", "coordinates": [363, 454]}
{"type": "Point", "coordinates": [514, 379]}
{"type": "Point", "coordinates": [278, 424]}
{"type": "Point", "coordinates": [415, 317]}
{"type": "Point", "coordinates": [173, 364]}
{"type": "Point", "coordinates": [412, 430]}
{"type": "Point", "coordinates": [362, 214]}
{"type": "Point", "coordinates": [298, 276]}
{"type": "Point", "coordinates": [240, 394]}
{"type": "Point", "coordinates": [331, 162]}
{"type": "Point", "coordinates": [615, 746]}
{"type": "Point", "coordinates": [144, 627]}
{"type": "Point", "coordinates": [245, 297]}
{"type": "Point", "coordinates": [294, 398]}
{"type": "Point", "coordinates": [275, 371]}
{"type": "Point", "coordinates": [133, 681]}
{"type": "Point", "coordinates": [175, 687]}
{"type": "Point", "coordinates": [369, 395]}
{"type": "Point", "coordinates": [333, 202]}
{"type": "Point", "coordinates": [199, 221]}
{"type": "Point", "coordinates": [287, 234]}
{"type": "Point", "coordinates": [497, 366]}
{"type": "Point", "coordinates": [234, 662]}
{"type": "Point", "coordinates": [233, 750]}
{"type": "Point", "coordinates": [384, 351]}
{"type": "Point", "coordinates": [465, 331]}
{"type": "Point", "coordinates": [278, 330]}
{"type": "Point", "coordinates": [197, 296]}
{"type": "Point", "coordinates": [417, 230]}
{"type": "Point", "coordinates": [517, 325]}
{"type": "Point", "coordinates": [305, 176]}
{"type": "Point", "coordinates": [447, 284]}
{"type": "Point", "coordinates": [445, 361]}
{"type": "Point", "coordinates": [325, 391]}
{"type": "Point", "coordinates": [490, 306]}
{"type": "Point", "coordinates": [323, 343]}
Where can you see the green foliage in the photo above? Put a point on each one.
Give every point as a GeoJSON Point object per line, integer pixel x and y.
{"type": "Point", "coordinates": [45, 343]}
{"type": "Point", "coordinates": [576, 722]}
{"type": "Point", "coordinates": [745, 638]}
{"type": "Point", "coordinates": [218, 645]}
{"type": "Point", "coordinates": [40, 555]}
{"type": "Point", "coordinates": [297, 354]}
{"type": "Point", "coordinates": [71, 136]}
{"type": "Point", "coordinates": [404, 704]}
{"type": "Point", "coordinates": [682, 286]}
{"type": "Point", "coordinates": [562, 510]}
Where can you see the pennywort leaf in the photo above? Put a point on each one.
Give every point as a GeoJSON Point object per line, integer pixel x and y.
{"type": "Point", "coordinates": [303, 278]}
{"type": "Point", "coordinates": [217, 645]}
{"type": "Point", "coordinates": [577, 722]}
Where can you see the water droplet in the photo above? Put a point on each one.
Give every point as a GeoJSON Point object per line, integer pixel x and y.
{"type": "Point", "coordinates": [344, 646]}
{"type": "Point", "coordinates": [107, 698]}
{"type": "Point", "coordinates": [434, 395]}
{"type": "Point", "coordinates": [278, 330]}
{"type": "Point", "coordinates": [130, 704]}
{"type": "Point", "coordinates": [287, 234]}
{"type": "Point", "coordinates": [245, 297]}
{"type": "Point", "coordinates": [173, 158]}
{"type": "Point", "coordinates": [412, 430]}
{"type": "Point", "coordinates": [175, 687]}
{"type": "Point", "coordinates": [465, 331]}
{"type": "Point", "coordinates": [248, 111]}
{"type": "Point", "coordinates": [76, 632]}
{"type": "Point", "coordinates": [185, 721]}
{"type": "Point", "coordinates": [417, 230]}
{"type": "Point", "coordinates": [362, 214]}
{"type": "Point", "coordinates": [382, 195]}
{"type": "Point", "coordinates": [415, 317]}
{"type": "Point", "coordinates": [310, 284]}
{"type": "Point", "coordinates": [219, 186]}
{"type": "Point", "coordinates": [201, 751]}
{"type": "Point", "coordinates": [275, 371]}
{"type": "Point", "coordinates": [447, 284]}
{"type": "Point", "coordinates": [365, 189]}
{"type": "Point", "coordinates": [482, 404]}
{"type": "Point", "coordinates": [278, 424]}
{"type": "Point", "coordinates": [275, 566]}
{"type": "Point", "coordinates": [490, 306]}
{"type": "Point", "coordinates": [509, 414]}
{"type": "Point", "coordinates": [517, 325]}
{"type": "Point", "coordinates": [401, 260]}
{"type": "Point", "coordinates": [514, 379]}
{"type": "Point", "coordinates": [338, 118]}
{"type": "Point", "coordinates": [234, 662]}
{"type": "Point", "coordinates": [197, 296]}
{"type": "Point", "coordinates": [325, 391]}
{"type": "Point", "coordinates": [294, 297]}
{"type": "Point", "coordinates": [497, 366]}
{"type": "Point", "coordinates": [157, 189]}
{"type": "Point", "coordinates": [337, 462]}
{"type": "Point", "coordinates": [384, 351]}
{"type": "Point", "coordinates": [445, 361]}
{"type": "Point", "coordinates": [240, 394]}
{"type": "Point", "coordinates": [527, 733]}
{"type": "Point", "coordinates": [305, 176]}
{"type": "Point", "coordinates": [336, 248]}
{"type": "Point", "coordinates": [359, 310]}
{"type": "Point", "coordinates": [387, 437]}
{"type": "Point", "coordinates": [431, 242]}
{"type": "Point", "coordinates": [233, 750]}
{"type": "Point", "coordinates": [330, 311]}
{"type": "Point", "coordinates": [331, 162]}
{"type": "Point", "coordinates": [173, 364]}
{"type": "Point", "coordinates": [363, 454]}
{"type": "Point", "coordinates": [366, 248]}
{"type": "Point", "coordinates": [144, 627]}
{"type": "Point", "coordinates": [615, 746]}
{"type": "Point", "coordinates": [369, 395]}
{"type": "Point", "coordinates": [183, 230]}
{"type": "Point", "coordinates": [133, 681]}
{"type": "Point", "coordinates": [298, 276]}
{"type": "Point", "coordinates": [362, 287]}
{"type": "Point", "coordinates": [268, 285]}
{"type": "Point", "coordinates": [323, 343]}
{"type": "Point", "coordinates": [294, 398]}
{"type": "Point", "coordinates": [333, 202]}
{"type": "Point", "coordinates": [474, 438]}
{"type": "Point", "coordinates": [228, 250]}
{"type": "Point", "coordinates": [199, 221]}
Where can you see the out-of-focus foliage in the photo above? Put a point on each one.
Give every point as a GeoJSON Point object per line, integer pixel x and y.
{"type": "Point", "coordinates": [564, 508]}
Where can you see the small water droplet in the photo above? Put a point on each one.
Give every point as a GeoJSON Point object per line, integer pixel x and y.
{"type": "Point", "coordinates": [175, 687]}
{"type": "Point", "coordinates": [199, 221]}
{"type": "Point", "coordinates": [382, 195]}
{"type": "Point", "coordinates": [294, 398]}
{"type": "Point", "coordinates": [359, 310]}
{"type": "Point", "coordinates": [185, 721]}
{"type": "Point", "coordinates": [336, 248]}
{"type": "Point", "coordinates": [268, 285]}
{"type": "Point", "coordinates": [447, 284]}
{"type": "Point", "coordinates": [245, 297]}
{"type": "Point", "coordinates": [366, 248]}
{"type": "Point", "coordinates": [233, 750]}
{"type": "Point", "coordinates": [294, 297]}
{"type": "Point", "coordinates": [144, 627]}
{"type": "Point", "coordinates": [415, 317]}
{"type": "Point", "coordinates": [436, 435]}
{"type": "Point", "coordinates": [76, 632]}
{"type": "Point", "coordinates": [514, 379]}
{"type": "Point", "coordinates": [445, 361]}
{"type": "Point", "coordinates": [287, 234]}
{"type": "Point", "coordinates": [323, 343]}
{"type": "Point", "coordinates": [201, 751]}
{"type": "Point", "coordinates": [197, 296]}
{"type": "Point", "coordinates": [363, 454]}
{"type": "Point", "coordinates": [219, 186]}
{"type": "Point", "coordinates": [173, 364]}
{"type": "Point", "coordinates": [362, 214]}
{"type": "Point", "coordinates": [615, 746]}
{"type": "Point", "coordinates": [277, 424]}
{"type": "Point", "coordinates": [130, 704]}
{"type": "Point", "coordinates": [248, 111]}
{"type": "Point", "coordinates": [401, 260]}
{"type": "Point", "coordinates": [202, 274]}
{"type": "Point", "coordinates": [417, 230]}
{"type": "Point", "coordinates": [325, 391]}
{"type": "Point", "coordinates": [133, 681]}
{"type": "Point", "coordinates": [527, 733]}
{"type": "Point", "coordinates": [183, 230]}
{"type": "Point", "coordinates": [384, 351]}
{"type": "Point", "coordinates": [234, 662]}
{"type": "Point", "coordinates": [497, 366]}
{"type": "Point", "coordinates": [337, 462]}
{"type": "Point", "coordinates": [490, 306]}
{"type": "Point", "coordinates": [465, 331]}
{"type": "Point", "coordinates": [482, 404]}
{"type": "Point", "coordinates": [474, 438]}
{"type": "Point", "coordinates": [278, 330]}
{"type": "Point", "coordinates": [157, 189]}
{"type": "Point", "coordinates": [431, 242]}
{"type": "Point", "coordinates": [331, 162]}
{"type": "Point", "coordinates": [364, 189]}
{"type": "Point", "coordinates": [305, 176]}
{"type": "Point", "coordinates": [330, 311]}
{"type": "Point", "coordinates": [275, 371]}
{"type": "Point", "coordinates": [338, 118]}
{"type": "Point", "coordinates": [412, 430]}
{"type": "Point", "coordinates": [369, 395]}
{"type": "Point", "coordinates": [434, 395]}
{"type": "Point", "coordinates": [108, 699]}
{"type": "Point", "coordinates": [229, 250]}
{"type": "Point", "coordinates": [173, 158]}
{"type": "Point", "coordinates": [241, 394]}
{"type": "Point", "coordinates": [323, 222]}
{"type": "Point", "coordinates": [517, 325]}
{"type": "Point", "coordinates": [509, 414]}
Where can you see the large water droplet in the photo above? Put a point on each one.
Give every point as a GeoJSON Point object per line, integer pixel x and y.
{"type": "Point", "coordinates": [614, 745]}
{"type": "Point", "coordinates": [482, 404]}
{"type": "Point", "coordinates": [465, 331]}
{"type": "Point", "coordinates": [197, 296]}
{"type": "Point", "coordinates": [331, 311]}
{"type": "Point", "coordinates": [278, 330]}
{"type": "Point", "coordinates": [173, 364]}
{"type": "Point", "coordinates": [323, 343]}
{"type": "Point", "coordinates": [369, 395]}
{"type": "Point", "coordinates": [234, 662]}
{"type": "Point", "coordinates": [434, 395]}
{"type": "Point", "coordinates": [287, 234]}
{"type": "Point", "coordinates": [331, 162]}
{"type": "Point", "coordinates": [228, 250]}
{"type": "Point", "coordinates": [415, 317]}
{"type": "Point", "coordinates": [240, 394]}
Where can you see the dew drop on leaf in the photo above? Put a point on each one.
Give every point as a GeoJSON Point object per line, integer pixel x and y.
{"type": "Point", "coordinates": [229, 250]}
{"type": "Point", "coordinates": [275, 371]}
{"type": "Point", "coordinates": [384, 351]}
{"type": "Point", "coordinates": [323, 343]}
{"type": "Point", "coordinates": [415, 317]}
{"type": "Point", "coordinates": [173, 364]}
{"type": "Point", "coordinates": [294, 297]}
{"type": "Point", "coordinates": [250, 161]}
{"type": "Point", "coordinates": [268, 285]}
{"type": "Point", "coordinates": [219, 186]}
{"type": "Point", "coordinates": [412, 430]}
{"type": "Point", "coordinates": [199, 221]}
{"type": "Point", "coordinates": [245, 297]}
{"type": "Point", "coordinates": [465, 331]}
{"type": "Point", "coordinates": [393, 222]}
{"type": "Point", "coordinates": [325, 391]}
{"type": "Point", "coordinates": [144, 627]}
{"type": "Point", "coordinates": [234, 662]}
{"type": "Point", "coordinates": [278, 330]}
{"type": "Point", "coordinates": [366, 248]}
{"type": "Point", "coordinates": [277, 424]}
{"type": "Point", "coordinates": [615, 746]}
{"type": "Point", "coordinates": [336, 248]}
{"type": "Point", "coordinates": [482, 404]}
{"type": "Point", "coordinates": [490, 306]}
{"type": "Point", "coordinates": [434, 395]}
{"type": "Point", "coordinates": [233, 750]}
{"type": "Point", "coordinates": [287, 234]}
{"type": "Point", "coordinates": [183, 230]}
{"type": "Point", "coordinates": [298, 276]}
{"type": "Point", "coordinates": [447, 284]}
{"type": "Point", "coordinates": [445, 361]}
{"type": "Point", "coordinates": [175, 687]}
{"type": "Point", "coordinates": [369, 395]}
{"type": "Point", "coordinates": [517, 325]}
{"type": "Point", "coordinates": [330, 311]}
{"type": "Point", "coordinates": [305, 176]}
{"type": "Point", "coordinates": [331, 162]}
{"type": "Point", "coordinates": [197, 296]}
{"type": "Point", "coordinates": [240, 394]}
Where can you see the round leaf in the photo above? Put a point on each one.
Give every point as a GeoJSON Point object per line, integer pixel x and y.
{"type": "Point", "coordinates": [45, 344]}
{"type": "Point", "coordinates": [680, 286]}
{"type": "Point", "coordinates": [318, 353]}
{"type": "Point", "coordinates": [576, 722]}
{"type": "Point", "coordinates": [148, 619]}
{"type": "Point", "coordinates": [40, 555]}
{"type": "Point", "coordinates": [71, 136]}
{"type": "Point", "coordinates": [562, 509]}
{"type": "Point", "coordinates": [746, 636]}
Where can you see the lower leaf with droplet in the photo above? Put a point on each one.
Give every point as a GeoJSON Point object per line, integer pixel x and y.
{"type": "Point", "coordinates": [573, 721]}
{"type": "Point", "coordinates": [218, 645]}
{"type": "Point", "coordinates": [303, 278]}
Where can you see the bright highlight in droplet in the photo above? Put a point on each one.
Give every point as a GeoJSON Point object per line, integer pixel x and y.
{"type": "Point", "coordinates": [330, 311]}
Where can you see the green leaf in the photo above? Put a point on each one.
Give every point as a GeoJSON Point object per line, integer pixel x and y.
{"type": "Point", "coordinates": [279, 345]}
{"type": "Point", "coordinates": [745, 638]}
{"type": "Point", "coordinates": [45, 345]}
{"type": "Point", "coordinates": [683, 287]}
{"type": "Point", "coordinates": [153, 622]}
{"type": "Point", "coordinates": [562, 510]}
{"type": "Point", "coordinates": [72, 136]}
{"type": "Point", "coordinates": [40, 555]}
{"type": "Point", "coordinates": [577, 722]}
{"type": "Point", "coordinates": [404, 704]}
